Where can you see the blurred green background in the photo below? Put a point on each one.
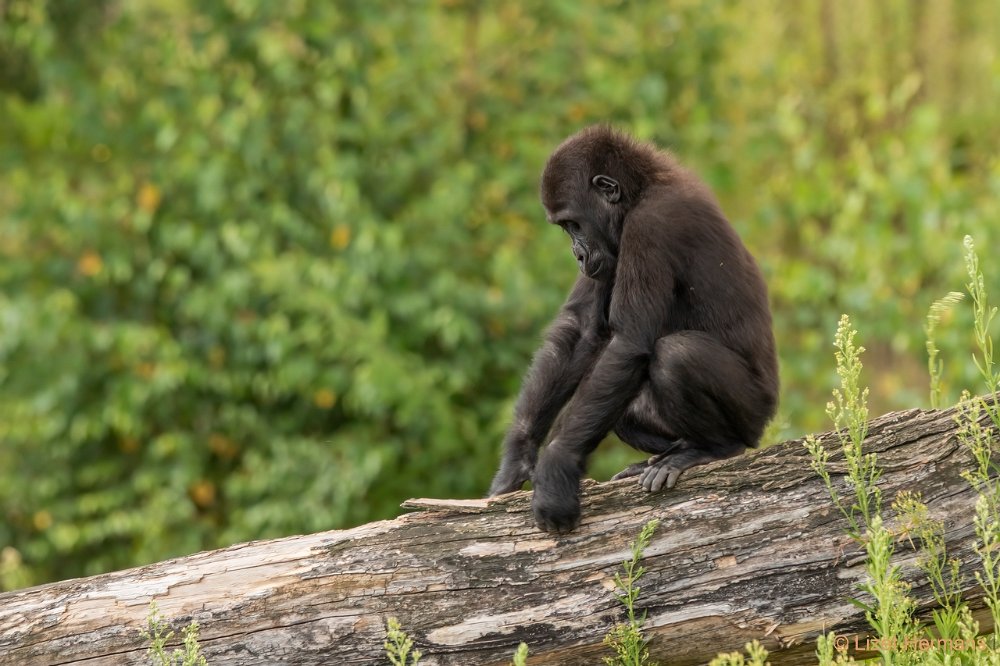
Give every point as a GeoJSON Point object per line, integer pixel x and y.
{"type": "Point", "coordinates": [270, 268]}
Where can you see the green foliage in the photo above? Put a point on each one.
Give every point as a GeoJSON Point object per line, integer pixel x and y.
{"type": "Point", "coordinates": [831, 652]}
{"type": "Point", "coordinates": [520, 655]}
{"type": "Point", "coordinates": [890, 613]}
{"type": "Point", "coordinates": [935, 366]}
{"type": "Point", "coordinates": [866, 177]}
{"type": "Point", "coordinates": [626, 638]}
{"type": "Point", "coordinates": [983, 316]}
{"type": "Point", "coordinates": [955, 633]}
{"type": "Point", "coordinates": [941, 572]}
{"type": "Point", "coordinates": [399, 646]}
{"type": "Point", "coordinates": [900, 637]}
{"type": "Point", "coordinates": [158, 634]}
{"type": "Point", "coordinates": [982, 442]}
{"type": "Point", "coordinates": [271, 268]}
{"type": "Point", "coordinates": [756, 655]}
{"type": "Point", "coordinates": [849, 412]}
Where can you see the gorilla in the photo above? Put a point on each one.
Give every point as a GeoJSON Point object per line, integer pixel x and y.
{"type": "Point", "coordinates": [665, 337]}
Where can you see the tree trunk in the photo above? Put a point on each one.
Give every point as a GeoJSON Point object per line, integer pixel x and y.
{"type": "Point", "coordinates": [747, 548]}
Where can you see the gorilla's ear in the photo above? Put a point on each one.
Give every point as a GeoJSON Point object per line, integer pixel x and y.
{"type": "Point", "coordinates": [608, 187]}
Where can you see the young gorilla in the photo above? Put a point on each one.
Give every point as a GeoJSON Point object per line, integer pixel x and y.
{"type": "Point", "coordinates": [665, 338]}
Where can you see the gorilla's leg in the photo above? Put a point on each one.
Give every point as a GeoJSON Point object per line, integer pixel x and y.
{"type": "Point", "coordinates": [701, 403]}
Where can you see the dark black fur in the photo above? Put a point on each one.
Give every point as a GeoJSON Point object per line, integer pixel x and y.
{"type": "Point", "coordinates": [665, 338]}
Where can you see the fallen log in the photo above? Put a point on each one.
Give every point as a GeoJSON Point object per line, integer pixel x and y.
{"type": "Point", "coordinates": [749, 548]}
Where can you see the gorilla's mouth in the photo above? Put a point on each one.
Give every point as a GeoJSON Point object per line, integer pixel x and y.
{"type": "Point", "coordinates": [593, 270]}
{"type": "Point", "coordinates": [598, 266]}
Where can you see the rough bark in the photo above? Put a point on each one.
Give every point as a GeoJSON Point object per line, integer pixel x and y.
{"type": "Point", "coordinates": [747, 548]}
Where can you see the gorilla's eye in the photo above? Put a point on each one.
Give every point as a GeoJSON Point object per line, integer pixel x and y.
{"type": "Point", "coordinates": [571, 227]}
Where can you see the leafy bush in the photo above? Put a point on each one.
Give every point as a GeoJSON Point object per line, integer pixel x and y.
{"type": "Point", "coordinates": [269, 268]}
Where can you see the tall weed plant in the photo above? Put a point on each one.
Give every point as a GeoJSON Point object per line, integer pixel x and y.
{"type": "Point", "coordinates": [899, 636]}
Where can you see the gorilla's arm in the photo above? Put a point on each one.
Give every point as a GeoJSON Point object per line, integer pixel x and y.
{"type": "Point", "coordinates": [569, 351]}
{"type": "Point", "coordinates": [598, 404]}
{"type": "Point", "coordinates": [638, 315]}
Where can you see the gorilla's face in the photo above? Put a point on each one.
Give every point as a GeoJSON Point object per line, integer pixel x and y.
{"type": "Point", "coordinates": [587, 212]}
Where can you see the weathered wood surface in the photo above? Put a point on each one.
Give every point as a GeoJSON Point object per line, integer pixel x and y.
{"type": "Point", "coordinates": [747, 548]}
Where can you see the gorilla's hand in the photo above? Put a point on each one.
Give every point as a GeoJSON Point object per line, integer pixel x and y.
{"type": "Point", "coordinates": [507, 480]}
{"type": "Point", "coordinates": [555, 501]}
{"type": "Point", "coordinates": [516, 465]}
